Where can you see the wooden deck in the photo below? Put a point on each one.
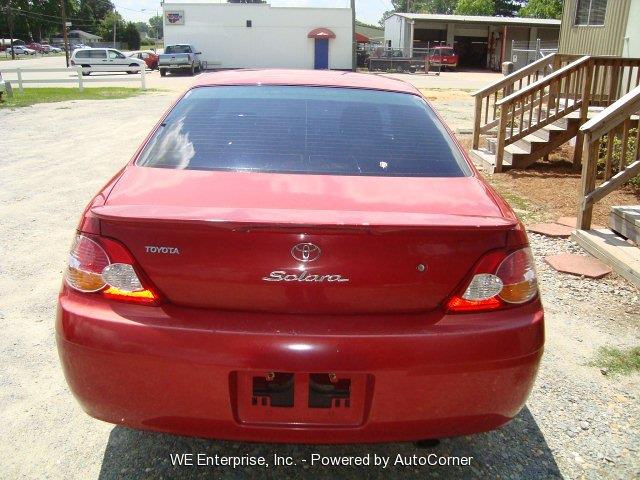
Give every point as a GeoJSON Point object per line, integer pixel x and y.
{"type": "Point", "coordinates": [621, 255]}
{"type": "Point", "coordinates": [625, 221]}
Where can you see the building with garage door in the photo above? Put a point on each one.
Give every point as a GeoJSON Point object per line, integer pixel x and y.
{"type": "Point", "coordinates": [238, 35]}
{"type": "Point", "coordinates": [480, 42]}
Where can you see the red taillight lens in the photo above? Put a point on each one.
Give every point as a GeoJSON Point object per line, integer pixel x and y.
{"type": "Point", "coordinates": [104, 265]}
{"type": "Point", "coordinates": [495, 285]}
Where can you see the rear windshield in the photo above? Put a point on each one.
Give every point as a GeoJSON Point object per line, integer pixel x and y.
{"type": "Point", "coordinates": [178, 49]}
{"type": "Point", "coordinates": [312, 130]}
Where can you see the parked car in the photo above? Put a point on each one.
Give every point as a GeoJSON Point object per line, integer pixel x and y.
{"type": "Point", "coordinates": [51, 49]}
{"type": "Point", "coordinates": [301, 256]}
{"type": "Point", "coordinates": [149, 57]}
{"type": "Point", "coordinates": [445, 57]}
{"type": "Point", "coordinates": [91, 57]}
{"type": "Point", "coordinates": [20, 50]}
{"type": "Point", "coordinates": [179, 57]}
{"type": "Point", "coordinates": [37, 47]}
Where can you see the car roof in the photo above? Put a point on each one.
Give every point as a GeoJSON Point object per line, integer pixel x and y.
{"type": "Point", "coordinates": [316, 78]}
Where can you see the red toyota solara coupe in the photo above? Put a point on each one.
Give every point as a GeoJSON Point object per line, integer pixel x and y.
{"type": "Point", "coordinates": [300, 256]}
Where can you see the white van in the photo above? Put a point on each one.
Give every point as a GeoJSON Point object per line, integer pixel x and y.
{"type": "Point", "coordinates": [90, 57]}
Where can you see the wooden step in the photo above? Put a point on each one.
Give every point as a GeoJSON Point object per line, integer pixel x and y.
{"type": "Point", "coordinates": [613, 250]}
{"type": "Point", "coordinates": [486, 160]}
{"type": "Point", "coordinates": [625, 220]}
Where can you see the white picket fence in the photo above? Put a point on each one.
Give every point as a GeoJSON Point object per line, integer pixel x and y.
{"type": "Point", "coordinates": [77, 77]}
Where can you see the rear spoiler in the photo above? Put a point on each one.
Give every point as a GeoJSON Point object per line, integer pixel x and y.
{"type": "Point", "coordinates": [242, 218]}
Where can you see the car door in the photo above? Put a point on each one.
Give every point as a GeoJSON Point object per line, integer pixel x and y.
{"type": "Point", "coordinates": [98, 56]}
{"type": "Point", "coordinates": [117, 58]}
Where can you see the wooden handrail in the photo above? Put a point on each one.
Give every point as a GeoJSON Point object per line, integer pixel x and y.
{"type": "Point", "coordinates": [544, 82]}
{"type": "Point", "coordinates": [515, 76]}
{"type": "Point", "coordinates": [616, 120]}
{"type": "Point", "coordinates": [613, 115]}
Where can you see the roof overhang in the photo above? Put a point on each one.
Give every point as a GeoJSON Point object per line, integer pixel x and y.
{"type": "Point", "coordinates": [479, 19]}
{"type": "Point", "coordinates": [321, 33]}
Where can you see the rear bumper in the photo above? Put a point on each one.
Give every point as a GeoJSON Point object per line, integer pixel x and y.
{"type": "Point", "coordinates": [180, 66]}
{"type": "Point", "coordinates": [180, 370]}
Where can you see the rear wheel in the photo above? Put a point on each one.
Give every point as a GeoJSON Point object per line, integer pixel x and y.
{"type": "Point", "coordinates": [193, 69]}
{"type": "Point", "coordinates": [132, 71]}
{"type": "Point", "coordinates": [84, 72]}
{"type": "Point", "coordinates": [163, 72]}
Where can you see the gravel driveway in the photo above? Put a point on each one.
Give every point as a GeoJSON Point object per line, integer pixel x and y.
{"type": "Point", "coordinates": [578, 423]}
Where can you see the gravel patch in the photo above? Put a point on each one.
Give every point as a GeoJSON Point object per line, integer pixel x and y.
{"type": "Point", "coordinates": [578, 423]}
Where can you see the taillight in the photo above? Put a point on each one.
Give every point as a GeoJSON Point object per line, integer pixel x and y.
{"type": "Point", "coordinates": [103, 265]}
{"type": "Point", "coordinates": [499, 280]}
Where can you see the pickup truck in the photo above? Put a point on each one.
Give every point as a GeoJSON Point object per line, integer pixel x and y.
{"type": "Point", "coordinates": [179, 57]}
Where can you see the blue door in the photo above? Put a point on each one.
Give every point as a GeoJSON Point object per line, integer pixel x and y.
{"type": "Point", "coordinates": [322, 54]}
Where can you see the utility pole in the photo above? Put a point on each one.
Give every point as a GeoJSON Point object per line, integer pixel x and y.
{"type": "Point", "coordinates": [354, 42]}
{"type": "Point", "coordinates": [10, 19]}
{"type": "Point", "coordinates": [408, 6]}
{"type": "Point", "coordinates": [63, 14]}
{"type": "Point", "coordinates": [115, 25]}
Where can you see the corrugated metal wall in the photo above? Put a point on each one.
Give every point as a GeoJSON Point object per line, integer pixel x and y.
{"type": "Point", "coordinates": [594, 40]}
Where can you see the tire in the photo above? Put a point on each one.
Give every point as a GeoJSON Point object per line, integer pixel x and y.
{"type": "Point", "coordinates": [163, 72]}
{"type": "Point", "coordinates": [132, 71]}
{"type": "Point", "coordinates": [193, 69]}
{"type": "Point", "coordinates": [86, 74]}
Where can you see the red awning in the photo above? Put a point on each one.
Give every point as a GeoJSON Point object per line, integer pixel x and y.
{"type": "Point", "coordinates": [360, 38]}
{"type": "Point", "coordinates": [321, 33]}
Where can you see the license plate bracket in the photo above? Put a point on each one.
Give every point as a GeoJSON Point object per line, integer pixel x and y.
{"type": "Point", "coordinates": [317, 398]}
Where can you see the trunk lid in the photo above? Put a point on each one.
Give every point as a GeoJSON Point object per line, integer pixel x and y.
{"type": "Point", "coordinates": [303, 243]}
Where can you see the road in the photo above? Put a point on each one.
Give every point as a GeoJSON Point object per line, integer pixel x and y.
{"type": "Point", "coordinates": [463, 80]}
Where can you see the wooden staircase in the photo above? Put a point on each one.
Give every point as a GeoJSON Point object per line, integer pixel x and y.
{"type": "Point", "coordinates": [529, 113]}
{"type": "Point", "coordinates": [529, 149]}
{"type": "Point", "coordinates": [612, 140]}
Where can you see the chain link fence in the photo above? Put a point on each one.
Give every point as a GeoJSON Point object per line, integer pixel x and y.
{"type": "Point", "coordinates": [524, 53]}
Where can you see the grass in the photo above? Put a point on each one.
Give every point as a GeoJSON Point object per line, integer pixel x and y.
{"type": "Point", "coordinates": [616, 360]}
{"type": "Point", "coordinates": [31, 96]}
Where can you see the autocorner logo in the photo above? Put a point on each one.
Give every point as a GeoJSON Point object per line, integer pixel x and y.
{"type": "Point", "coordinates": [175, 17]}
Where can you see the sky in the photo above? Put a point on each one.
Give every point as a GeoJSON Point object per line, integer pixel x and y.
{"type": "Point", "coordinates": [369, 11]}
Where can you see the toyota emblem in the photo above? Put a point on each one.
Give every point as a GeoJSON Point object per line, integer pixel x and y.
{"type": "Point", "coordinates": [306, 252]}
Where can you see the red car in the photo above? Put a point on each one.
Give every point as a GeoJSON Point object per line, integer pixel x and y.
{"type": "Point", "coordinates": [37, 47]}
{"type": "Point", "coordinates": [298, 256]}
{"type": "Point", "coordinates": [149, 57]}
{"type": "Point", "coordinates": [445, 57]}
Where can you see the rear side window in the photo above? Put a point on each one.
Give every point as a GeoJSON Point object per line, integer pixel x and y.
{"type": "Point", "coordinates": [178, 49]}
{"type": "Point", "coordinates": [82, 54]}
{"type": "Point", "coordinates": [312, 130]}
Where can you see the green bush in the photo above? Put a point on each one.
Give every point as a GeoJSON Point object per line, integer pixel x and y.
{"type": "Point", "coordinates": [616, 153]}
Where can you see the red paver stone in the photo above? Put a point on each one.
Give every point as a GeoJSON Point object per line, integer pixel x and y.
{"type": "Point", "coordinates": [571, 222]}
{"type": "Point", "coordinates": [551, 229]}
{"type": "Point", "coordinates": [578, 265]}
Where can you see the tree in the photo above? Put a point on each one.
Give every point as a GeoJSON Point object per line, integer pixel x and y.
{"type": "Point", "coordinates": [105, 29]}
{"type": "Point", "coordinates": [143, 28]}
{"type": "Point", "coordinates": [542, 9]}
{"type": "Point", "coordinates": [132, 36]}
{"type": "Point", "coordinates": [508, 8]}
{"type": "Point", "coordinates": [156, 27]}
{"type": "Point", "coordinates": [446, 7]}
{"type": "Point", "coordinates": [476, 7]}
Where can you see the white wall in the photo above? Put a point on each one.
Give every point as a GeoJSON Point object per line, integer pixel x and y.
{"type": "Point", "coordinates": [394, 30]}
{"type": "Point", "coordinates": [277, 39]}
{"type": "Point", "coordinates": [631, 45]}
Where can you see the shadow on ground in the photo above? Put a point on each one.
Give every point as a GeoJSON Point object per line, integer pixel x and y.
{"type": "Point", "coordinates": [517, 450]}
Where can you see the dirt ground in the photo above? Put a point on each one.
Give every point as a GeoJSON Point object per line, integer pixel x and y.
{"type": "Point", "coordinates": [577, 423]}
{"type": "Point", "coordinates": [551, 188]}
